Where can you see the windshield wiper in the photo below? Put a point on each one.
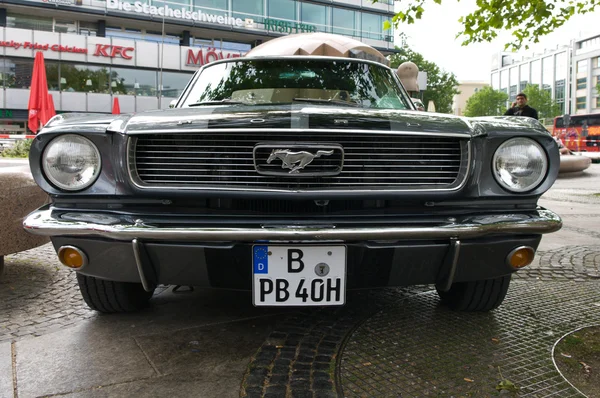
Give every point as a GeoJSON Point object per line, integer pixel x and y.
{"type": "Point", "coordinates": [326, 101]}
{"type": "Point", "coordinates": [226, 101]}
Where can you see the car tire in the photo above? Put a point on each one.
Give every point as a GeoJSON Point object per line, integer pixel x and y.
{"type": "Point", "coordinates": [110, 296]}
{"type": "Point", "coordinates": [483, 295]}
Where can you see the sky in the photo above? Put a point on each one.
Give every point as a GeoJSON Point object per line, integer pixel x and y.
{"type": "Point", "coordinates": [434, 37]}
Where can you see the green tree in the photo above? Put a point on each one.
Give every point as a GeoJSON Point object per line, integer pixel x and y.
{"type": "Point", "coordinates": [527, 19]}
{"type": "Point", "coordinates": [486, 102]}
{"type": "Point", "coordinates": [542, 101]}
{"type": "Point", "coordinates": [441, 85]}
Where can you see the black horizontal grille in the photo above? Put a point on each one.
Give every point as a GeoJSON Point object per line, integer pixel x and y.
{"type": "Point", "coordinates": [225, 160]}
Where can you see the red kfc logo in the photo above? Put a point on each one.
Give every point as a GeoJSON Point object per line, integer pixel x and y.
{"type": "Point", "coordinates": [109, 51]}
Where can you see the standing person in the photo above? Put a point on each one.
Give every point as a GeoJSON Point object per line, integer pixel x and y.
{"type": "Point", "coordinates": [520, 108]}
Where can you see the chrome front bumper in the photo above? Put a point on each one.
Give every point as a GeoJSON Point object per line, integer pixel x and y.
{"type": "Point", "coordinates": [41, 222]}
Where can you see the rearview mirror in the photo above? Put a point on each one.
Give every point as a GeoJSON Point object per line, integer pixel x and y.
{"type": "Point", "coordinates": [172, 103]}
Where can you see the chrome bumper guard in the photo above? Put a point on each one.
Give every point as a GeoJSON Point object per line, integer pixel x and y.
{"type": "Point", "coordinates": [41, 222]}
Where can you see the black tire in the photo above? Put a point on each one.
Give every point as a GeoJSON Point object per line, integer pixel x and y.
{"type": "Point", "coordinates": [110, 297]}
{"type": "Point", "coordinates": [484, 295]}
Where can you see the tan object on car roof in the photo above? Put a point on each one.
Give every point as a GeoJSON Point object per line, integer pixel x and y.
{"type": "Point", "coordinates": [318, 44]}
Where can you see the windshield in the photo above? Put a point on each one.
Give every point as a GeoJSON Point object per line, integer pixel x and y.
{"type": "Point", "coordinates": [284, 81]}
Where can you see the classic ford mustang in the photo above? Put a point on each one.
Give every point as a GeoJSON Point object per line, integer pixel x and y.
{"type": "Point", "coordinates": [298, 178]}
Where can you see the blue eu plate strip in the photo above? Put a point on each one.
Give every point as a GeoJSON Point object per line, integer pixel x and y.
{"type": "Point", "coordinates": [261, 260]}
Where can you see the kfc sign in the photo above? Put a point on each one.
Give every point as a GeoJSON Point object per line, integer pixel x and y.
{"type": "Point", "coordinates": [110, 51]}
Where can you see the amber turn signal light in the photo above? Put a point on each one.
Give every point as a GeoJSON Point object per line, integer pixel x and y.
{"type": "Point", "coordinates": [520, 257]}
{"type": "Point", "coordinates": [72, 257]}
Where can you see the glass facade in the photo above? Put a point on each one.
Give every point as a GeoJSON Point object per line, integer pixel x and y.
{"type": "Point", "coordinates": [372, 26]}
{"type": "Point", "coordinates": [344, 22]}
{"type": "Point", "coordinates": [524, 75]}
{"type": "Point", "coordinates": [536, 72]}
{"type": "Point", "coordinates": [504, 81]}
{"type": "Point", "coordinates": [282, 9]}
{"type": "Point", "coordinates": [580, 103]}
{"type": "Point", "coordinates": [582, 66]}
{"type": "Point", "coordinates": [315, 14]}
{"type": "Point", "coordinates": [559, 94]}
{"type": "Point", "coordinates": [210, 5]}
{"type": "Point", "coordinates": [247, 9]}
{"type": "Point", "coordinates": [514, 84]}
{"type": "Point", "coordinates": [548, 73]}
{"type": "Point", "coordinates": [348, 21]}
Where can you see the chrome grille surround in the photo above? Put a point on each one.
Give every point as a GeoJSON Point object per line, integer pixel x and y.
{"type": "Point", "coordinates": [223, 160]}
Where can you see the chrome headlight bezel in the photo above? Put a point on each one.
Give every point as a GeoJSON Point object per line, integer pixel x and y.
{"type": "Point", "coordinates": [76, 163]}
{"type": "Point", "coordinates": [537, 150]}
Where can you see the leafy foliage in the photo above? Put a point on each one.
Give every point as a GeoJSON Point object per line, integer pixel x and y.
{"type": "Point", "coordinates": [486, 102]}
{"type": "Point", "coordinates": [527, 19]}
{"type": "Point", "coordinates": [20, 149]}
{"type": "Point", "coordinates": [441, 85]}
{"type": "Point", "coordinates": [542, 101]}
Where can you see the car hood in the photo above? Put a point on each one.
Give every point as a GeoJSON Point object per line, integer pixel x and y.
{"type": "Point", "coordinates": [296, 116]}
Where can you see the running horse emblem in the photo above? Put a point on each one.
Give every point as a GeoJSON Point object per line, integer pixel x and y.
{"type": "Point", "coordinates": [295, 161]}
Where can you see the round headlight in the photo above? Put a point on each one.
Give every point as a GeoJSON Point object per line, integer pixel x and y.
{"type": "Point", "coordinates": [520, 164]}
{"type": "Point", "coordinates": [71, 162]}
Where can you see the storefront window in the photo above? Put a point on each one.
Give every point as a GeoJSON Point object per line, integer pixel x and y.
{"type": "Point", "coordinates": [252, 9]}
{"type": "Point", "coordinates": [233, 46]}
{"type": "Point", "coordinates": [134, 82]}
{"type": "Point", "coordinates": [29, 22]}
{"type": "Point", "coordinates": [62, 26]}
{"type": "Point", "coordinates": [211, 5]}
{"type": "Point", "coordinates": [315, 15]}
{"type": "Point", "coordinates": [173, 83]}
{"type": "Point", "coordinates": [157, 37]}
{"type": "Point", "coordinates": [88, 28]}
{"type": "Point", "coordinates": [282, 9]}
{"type": "Point", "coordinates": [133, 34]}
{"type": "Point", "coordinates": [372, 26]}
{"type": "Point", "coordinates": [582, 66]}
{"type": "Point", "coordinates": [84, 78]}
{"type": "Point", "coordinates": [52, 71]}
{"type": "Point", "coordinates": [18, 72]}
{"type": "Point", "coordinates": [344, 22]}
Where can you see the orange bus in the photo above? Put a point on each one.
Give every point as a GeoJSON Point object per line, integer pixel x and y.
{"type": "Point", "coordinates": [581, 134]}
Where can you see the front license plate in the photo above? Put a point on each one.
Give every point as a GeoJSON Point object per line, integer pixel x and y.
{"type": "Point", "coordinates": [299, 275]}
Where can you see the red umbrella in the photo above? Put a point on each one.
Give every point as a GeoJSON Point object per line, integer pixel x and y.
{"type": "Point", "coordinates": [38, 95]}
{"type": "Point", "coordinates": [116, 108]}
{"type": "Point", "coordinates": [51, 110]}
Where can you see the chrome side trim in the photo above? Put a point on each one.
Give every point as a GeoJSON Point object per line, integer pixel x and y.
{"type": "Point", "coordinates": [541, 221]}
{"type": "Point", "coordinates": [209, 131]}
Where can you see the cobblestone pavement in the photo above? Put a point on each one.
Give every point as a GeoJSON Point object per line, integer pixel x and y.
{"type": "Point", "coordinates": [389, 342]}
{"type": "Point", "coordinates": [38, 295]}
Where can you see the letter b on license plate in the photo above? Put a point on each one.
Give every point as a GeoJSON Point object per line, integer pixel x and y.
{"type": "Point", "coordinates": [299, 275]}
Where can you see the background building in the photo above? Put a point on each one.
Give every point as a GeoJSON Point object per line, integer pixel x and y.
{"type": "Point", "coordinates": [467, 89]}
{"type": "Point", "coordinates": [585, 69]}
{"type": "Point", "coordinates": [144, 52]}
{"type": "Point", "coordinates": [550, 71]}
{"type": "Point", "coordinates": [569, 73]}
